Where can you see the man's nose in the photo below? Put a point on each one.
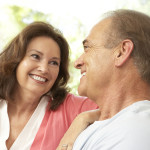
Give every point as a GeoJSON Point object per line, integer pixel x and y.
{"type": "Point", "coordinates": [79, 62]}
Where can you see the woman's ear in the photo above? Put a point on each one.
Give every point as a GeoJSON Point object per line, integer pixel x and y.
{"type": "Point", "coordinates": [123, 52]}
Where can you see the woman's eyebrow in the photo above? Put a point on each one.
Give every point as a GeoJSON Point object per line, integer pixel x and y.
{"type": "Point", "coordinates": [35, 51]}
{"type": "Point", "coordinates": [56, 58]}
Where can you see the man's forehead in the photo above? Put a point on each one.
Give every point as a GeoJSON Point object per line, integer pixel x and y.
{"type": "Point", "coordinates": [103, 24]}
{"type": "Point", "coordinates": [99, 30]}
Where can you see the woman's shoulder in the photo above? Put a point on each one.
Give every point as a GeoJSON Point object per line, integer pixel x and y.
{"type": "Point", "coordinates": [2, 103]}
{"type": "Point", "coordinates": [75, 97]}
{"type": "Point", "coordinates": [79, 102]}
{"type": "Point", "coordinates": [72, 98]}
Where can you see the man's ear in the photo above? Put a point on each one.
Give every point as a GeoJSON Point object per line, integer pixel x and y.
{"type": "Point", "coordinates": [123, 52]}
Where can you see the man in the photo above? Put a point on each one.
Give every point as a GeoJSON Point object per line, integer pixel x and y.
{"type": "Point", "coordinates": [116, 75]}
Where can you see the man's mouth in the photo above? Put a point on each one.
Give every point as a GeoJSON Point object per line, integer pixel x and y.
{"type": "Point", "coordinates": [83, 74]}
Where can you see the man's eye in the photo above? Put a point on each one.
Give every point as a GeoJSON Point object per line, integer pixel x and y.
{"type": "Point", "coordinates": [85, 46]}
{"type": "Point", "coordinates": [35, 56]}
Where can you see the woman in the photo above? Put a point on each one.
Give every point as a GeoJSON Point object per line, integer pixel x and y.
{"type": "Point", "coordinates": [35, 106]}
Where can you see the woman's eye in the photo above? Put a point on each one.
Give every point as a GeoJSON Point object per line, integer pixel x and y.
{"type": "Point", "coordinates": [35, 56]}
{"type": "Point", "coordinates": [55, 63]}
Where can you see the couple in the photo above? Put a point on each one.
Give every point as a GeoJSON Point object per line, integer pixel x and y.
{"type": "Point", "coordinates": [115, 64]}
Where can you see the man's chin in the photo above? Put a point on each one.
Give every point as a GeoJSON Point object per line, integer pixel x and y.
{"type": "Point", "coordinates": [82, 92]}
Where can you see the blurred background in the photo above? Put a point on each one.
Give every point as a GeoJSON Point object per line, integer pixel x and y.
{"type": "Point", "coordinates": [73, 17]}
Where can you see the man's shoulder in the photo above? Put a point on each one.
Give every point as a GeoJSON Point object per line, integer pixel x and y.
{"type": "Point", "coordinates": [134, 120]}
{"type": "Point", "coordinates": [139, 110]}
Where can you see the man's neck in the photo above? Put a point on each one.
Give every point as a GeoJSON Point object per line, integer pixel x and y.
{"type": "Point", "coordinates": [114, 99]}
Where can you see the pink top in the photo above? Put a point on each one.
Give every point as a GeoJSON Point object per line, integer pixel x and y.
{"type": "Point", "coordinates": [56, 123]}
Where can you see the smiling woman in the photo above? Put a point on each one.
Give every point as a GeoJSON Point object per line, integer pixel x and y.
{"type": "Point", "coordinates": [18, 49]}
{"type": "Point", "coordinates": [35, 106]}
{"type": "Point", "coordinates": [39, 68]}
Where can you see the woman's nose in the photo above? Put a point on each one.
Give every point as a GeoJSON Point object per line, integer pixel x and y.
{"type": "Point", "coordinates": [43, 67]}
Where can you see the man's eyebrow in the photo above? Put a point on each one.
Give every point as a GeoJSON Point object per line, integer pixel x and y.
{"type": "Point", "coordinates": [85, 42]}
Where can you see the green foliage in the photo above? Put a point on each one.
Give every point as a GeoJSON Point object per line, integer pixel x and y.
{"type": "Point", "coordinates": [23, 16]}
{"type": "Point", "coordinates": [19, 17]}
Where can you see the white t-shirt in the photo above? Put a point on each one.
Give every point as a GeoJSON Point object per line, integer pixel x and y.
{"type": "Point", "coordinates": [127, 130]}
{"type": "Point", "coordinates": [24, 140]}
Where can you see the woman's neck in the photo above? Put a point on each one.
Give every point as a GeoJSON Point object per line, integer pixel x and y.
{"type": "Point", "coordinates": [24, 102]}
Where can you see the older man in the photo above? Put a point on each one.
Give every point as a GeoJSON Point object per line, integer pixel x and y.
{"type": "Point", "coordinates": [116, 75]}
